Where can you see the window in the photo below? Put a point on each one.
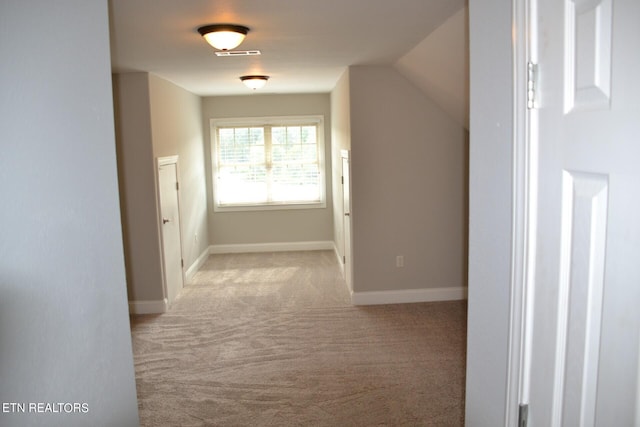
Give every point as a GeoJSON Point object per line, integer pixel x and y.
{"type": "Point", "coordinates": [268, 163]}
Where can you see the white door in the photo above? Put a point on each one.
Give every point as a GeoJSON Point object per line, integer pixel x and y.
{"type": "Point", "coordinates": [170, 223]}
{"type": "Point", "coordinates": [346, 208]}
{"type": "Point", "coordinates": [583, 334]}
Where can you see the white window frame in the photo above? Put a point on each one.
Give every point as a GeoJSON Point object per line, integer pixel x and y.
{"type": "Point", "coordinates": [317, 120]}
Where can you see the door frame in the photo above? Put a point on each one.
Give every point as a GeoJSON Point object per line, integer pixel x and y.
{"type": "Point", "coordinates": [346, 218]}
{"type": "Point", "coordinates": [163, 161]}
{"type": "Point", "coordinates": [524, 208]}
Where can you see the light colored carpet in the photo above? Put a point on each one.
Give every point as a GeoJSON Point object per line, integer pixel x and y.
{"type": "Point", "coordinates": [272, 340]}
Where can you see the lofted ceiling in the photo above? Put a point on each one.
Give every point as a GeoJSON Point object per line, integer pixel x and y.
{"type": "Point", "coordinates": [306, 44]}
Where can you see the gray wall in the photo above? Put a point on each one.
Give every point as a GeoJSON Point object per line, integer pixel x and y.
{"type": "Point", "coordinates": [408, 185]}
{"type": "Point", "coordinates": [340, 140]}
{"type": "Point", "coordinates": [439, 66]}
{"type": "Point", "coordinates": [64, 329]}
{"type": "Point", "coordinates": [155, 118]}
{"type": "Point", "coordinates": [490, 204]}
{"type": "Point", "coordinates": [297, 225]}
{"type": "Point", "coordinates": [176, 128]}
{"type": "Point", "coordinates": [136, 171]}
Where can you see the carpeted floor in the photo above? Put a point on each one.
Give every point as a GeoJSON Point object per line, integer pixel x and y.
{"type": "Point", "coordinates": [272, 340]}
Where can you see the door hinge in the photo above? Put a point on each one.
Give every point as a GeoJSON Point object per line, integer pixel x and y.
{"type": "Point", "coordinates": [342, 178]}
{"type": "Point", "coordinates": [177, 186]}
{"type": "Point", "coordinates": [523, 415]}
{"type": "Point", "coordinates": [181, 263]}
{"type": "Point", "coordinates": [344, 259]}
{"type": "Point", "coordinates": [532, 84]}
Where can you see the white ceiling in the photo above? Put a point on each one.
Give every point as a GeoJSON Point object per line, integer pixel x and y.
{"type": "Point", "coordinates": [306, 44]}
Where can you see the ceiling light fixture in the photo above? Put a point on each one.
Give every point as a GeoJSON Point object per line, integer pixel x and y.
{"type": "Point", "coordinates": [223, 36]}
{"type": "Point", "coordinates": [254, 82]}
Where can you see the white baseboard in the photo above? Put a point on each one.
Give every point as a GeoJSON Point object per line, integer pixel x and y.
{"type": "Point", "coordinates": [191, 271]}
{"type": "Point", "coordinates": [271, 247]}
{"type": "Point", "coordinates": [408, 296]}
{"type": "Point", "coordinates": [148, 307]}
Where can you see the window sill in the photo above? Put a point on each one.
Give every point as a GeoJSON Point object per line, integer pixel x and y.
{"type": "Point", "coordinates": [269, 207]}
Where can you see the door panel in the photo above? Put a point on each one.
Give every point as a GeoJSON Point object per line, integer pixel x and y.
{"type": "Point", "coordinates": [587, 38]}
{"type": "Point", "coordinates": [581, 285]}
{"type": "Point", "coordinates": [171, 235]}
{"type": "Point", "coordinates": [346, 207]}
{"type": "Point", "coordinates": [584, 324]}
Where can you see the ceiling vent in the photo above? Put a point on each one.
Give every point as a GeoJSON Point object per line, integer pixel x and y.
{"type": "Point", "coordinates": [238, 53]}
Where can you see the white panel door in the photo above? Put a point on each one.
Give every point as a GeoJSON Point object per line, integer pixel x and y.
{"type": "Point", "coordinates": [171, 235]}
{"type": "Point", "coordinates": [346, 208]}
{"type": "Point", "coordinates": [584, 329]}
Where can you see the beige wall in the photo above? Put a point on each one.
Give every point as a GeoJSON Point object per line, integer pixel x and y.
{"type": "Point", "coordinates": [136, 173]}
{"type": "Point", "coordinates": [408, 185]}
{"type": "Point", "coordinates": [408, 164]}
{"type": "Point", "coordinates": [297, 225]}
{"type": "Point", "coordinates": [176, 129]}
{"type": "Point", "coordinates": [155, 118]}
{"type": "Point", "coordinates": [340, 140]}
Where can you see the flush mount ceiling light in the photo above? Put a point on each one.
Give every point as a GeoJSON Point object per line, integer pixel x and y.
{"type": "Point", "coordinates": [223, 36]}
{"type": "Point", "coordinates": [254, 82]}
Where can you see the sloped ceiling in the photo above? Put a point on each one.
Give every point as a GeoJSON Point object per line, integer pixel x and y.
{"type": "Point", "coordinates": [306, 44]}
{"type": "Point", "coordinates": [439, 65]}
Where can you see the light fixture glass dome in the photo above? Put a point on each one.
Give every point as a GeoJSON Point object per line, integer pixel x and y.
{"type": "Point", "coordinates": [254, 82]}
{"type": "Point", "coordinates": [223, 36]}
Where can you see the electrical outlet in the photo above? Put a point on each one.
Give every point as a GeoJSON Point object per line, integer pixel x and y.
{"type": "Point", "coordinates": [400, 261]}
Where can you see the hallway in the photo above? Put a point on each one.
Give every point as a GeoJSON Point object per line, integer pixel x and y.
{"type": "Point", "coordinates": [272, 339]}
